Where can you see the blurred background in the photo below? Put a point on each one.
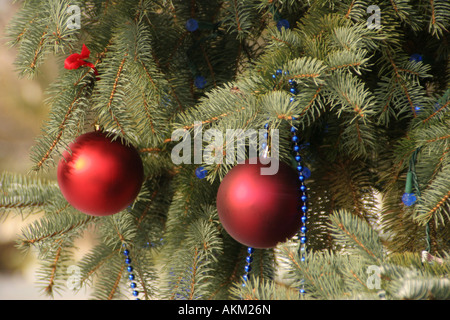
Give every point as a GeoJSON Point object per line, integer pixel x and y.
{"type": "Point", "coordinates": [21, 114]}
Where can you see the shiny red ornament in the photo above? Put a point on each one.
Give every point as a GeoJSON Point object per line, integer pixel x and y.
{"type": "Point", "coordinates": [99, 176]}
{"type": "Point", "coordinates": [258, 210]}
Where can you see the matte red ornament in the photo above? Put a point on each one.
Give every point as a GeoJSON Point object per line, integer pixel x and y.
{"type": "Point", "coordinates": [258, 210]}
{"type": "Point", "coordinates": [99, 176]}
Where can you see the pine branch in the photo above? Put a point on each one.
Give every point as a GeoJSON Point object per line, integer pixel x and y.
{"type": "Point", "coordinates": [50, 228]}
{"type": "Point", "coordinates": [24, 194]}
{"type": "Point", "coordinates": [353, 233]}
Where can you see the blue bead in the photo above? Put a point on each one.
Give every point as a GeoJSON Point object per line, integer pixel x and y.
{"type": "Point", "coordinates": [131, 277]}
{"type": "Point", "coordinates": [201, 172]}
{"type": "Point", "coordinates": [302, 291]}
{"type": "Point", "coordinates": [303, 229]}
{"type": "Point", "coordinates": [282, 23]}
{"type": "Point", "coordinates": [200, 82]}
{"type": "Point", "coordinates": [279, 71]}
{"type": "Point", "coordinates": [298, 158]}
{"type": "Point", "coordinates": [303, 239]}
{"type": "Point", "coordinates": [303, 188]}
{"type": "Point", "coordinates": [299, 168]}
{"type": "Point", "coordinates": [191, 25]}
{"type": "Point", "coordinates": [292, 99]}
{"type": "Point", "coordinates": [249, 259]}
{"type": "Point", "coordinates": [306, 172]}
{"type": "Point", "coordinates": [304, 198]}
{"type": "Point", "coordinates": [126, 252]}
{"type": "Point", "coordinates": [127, 260]}
{"type": "Point", "coordinates": [133, 285]}
{"type": "Point", "coordinates": [304, 219]}
{"type": "Point", "coordinates": [263, 145]}
{"type": "Point", "coordinates": [245, 277]}
{"type": "Point", "coordinates": [302, 259]}
{"type": "Point", "coordinates": [248, 268]}
{"type": "Point", "coordinates": [130, 269]}
{"type": "Point", "coordinates": [286, 73]}
{"type": "Point", "coordinates": [291, 81]}
{"type": "Point", "coordinates": [294, 138]}
{"type": "Point", "coordinates": [409, 199]}
{"type": "Point", "coordinates": [266, 135]}
{"type": "Point", "coordinates": [301, 178]}
{"type": "Point", "coordinates": [266, 126]}
{"type": "Point", "coordinates": [296, 148]}
{"type": "Point", "coordinates": [416, 57]}
{"type": "Point", "coordinates": [293, 90]}
{"type": "Point", "coordinates": [135, 293]}
{"type": "Point", "coordinates": [304, 209]}
{"type": "Point", "coordinates": [250, 250]}
{"type": "Point", "coordinates": [293, 129]}
{"type": "Point", "coordinates": [417, 109]}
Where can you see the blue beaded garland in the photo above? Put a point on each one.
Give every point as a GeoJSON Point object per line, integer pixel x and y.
{"type": "Point", "coordinates": [130, 269]}
{"type": "Point", "coordinates": [303, 172]}
{"type": "Point", "coordinates": [247, 267]}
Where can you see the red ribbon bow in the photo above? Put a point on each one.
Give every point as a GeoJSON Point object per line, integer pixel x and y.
{"type": "Point", "coordinates": [76, 60]}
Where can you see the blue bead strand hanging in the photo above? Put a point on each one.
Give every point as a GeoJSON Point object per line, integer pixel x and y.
{"type": "Point", "coordinates": [264, 150]}
{"type": "Point", "coordinates": [248, 267]}
{"type": "Point", "coordinates": [303, 174]}
{"type": "Point", "coordinates": [303, 196]}
{"type": "Point", "coordinates": [131, 276]}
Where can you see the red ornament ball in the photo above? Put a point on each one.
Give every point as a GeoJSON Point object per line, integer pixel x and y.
{"type": "Point", "coordinates": [99, 176]}
{"type": "Point", "coordinates": [259, 210]}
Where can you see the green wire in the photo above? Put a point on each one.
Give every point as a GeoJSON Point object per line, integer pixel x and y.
{"type": "Point", "coordinates": [412, 171]}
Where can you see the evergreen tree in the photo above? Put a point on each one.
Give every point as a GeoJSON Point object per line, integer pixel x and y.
{"type": "Point", "coordinates": [370, 104]}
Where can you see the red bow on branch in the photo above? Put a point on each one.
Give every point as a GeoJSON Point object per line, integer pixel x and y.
{"type": "Point", "coordinates": [76, 60]}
